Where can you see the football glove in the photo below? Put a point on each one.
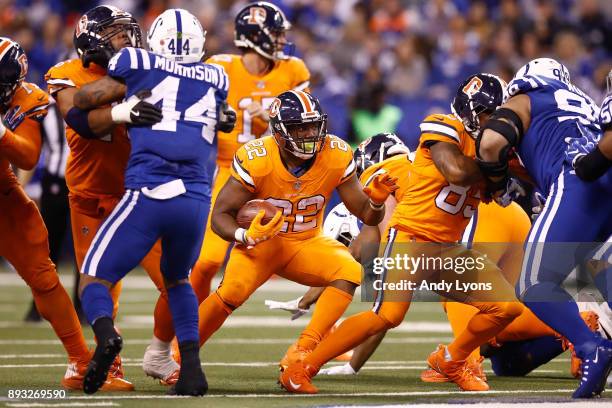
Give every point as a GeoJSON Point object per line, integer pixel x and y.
{"type": "Point", "coordinates": [227, 118]}
{"type": "Point", "coordinates": [258, 232]}
{"type": "Point", "coordinates": [136, 111]}
{"type": "Point", "coordinates": [539, 201]}
{"type": "Point", "coordinates": [380, 188]}
{"type": "Point", "coordinates": [292, 306]}
{"type": "Point", "coordinates": [512, 191]}
{"type": "Point", "coordinates": [577, 148]}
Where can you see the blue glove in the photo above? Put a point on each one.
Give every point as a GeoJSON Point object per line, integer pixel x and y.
{"type": "Point", "coordinates": [512, 191]}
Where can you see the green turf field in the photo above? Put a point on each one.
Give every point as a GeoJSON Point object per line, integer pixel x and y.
{"type": "Point", "coordinates": [241, 359]}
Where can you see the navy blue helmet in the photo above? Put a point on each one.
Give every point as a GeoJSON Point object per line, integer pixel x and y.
{"type": "Point", "coordinates": [480, 93]}
{"type": "Point", "coordinates": [376, 149]}
{"type": "Point", "coordinates": [96, 28]}
{"type": "Point", "coordinates": [298, 122]}
{"type": "Point", "coordinates": [260, 26]}
{"type": "Point", "coordinates": [13, 69]}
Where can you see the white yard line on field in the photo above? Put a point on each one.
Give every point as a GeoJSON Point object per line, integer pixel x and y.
{"type": "Point", "coordinates": [62, 404]}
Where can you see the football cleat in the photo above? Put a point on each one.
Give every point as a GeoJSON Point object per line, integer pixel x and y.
{"type": "Point", "coordinates": [99, 366]}
{"type": "Point", "coordinates": [595, 369]}
{"type": "Point", "coordinates": [294, 354]}
{"type": "Point", "coordinates": [296, 378]}
{"type": "Point", "coordinates": [192, 380]}
{"type": "Point", "coordinates": [175, 352]}
{"type": "Point", "coordinates": [160, 365]}
{"type": "Point", "coordinates": [592, 321]}
{"type": "Point", "coordinates": [73, 379]}
{"type": "Point", "coordinates": [457, 371]}
{"type": "Point", "coordinates": [475, 365]}
{"type": "Point", "coordinates": [345, 369]}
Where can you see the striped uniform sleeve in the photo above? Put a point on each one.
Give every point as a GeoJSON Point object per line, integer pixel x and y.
{"type": "Point", "coordinates": [58, 78]}
{"type": "Point", "coordinates": [301, 75]}
{"type": "Point", "coordinates": [240, 170]}
{"type": "Point", "coordinates": [349, 171]}
{"type": "Point", "coordinates": [605, 114]}
{"type": "Point", "coordinates": [437, 128]}
{"type": "Point", "coordinates": [127, 62]}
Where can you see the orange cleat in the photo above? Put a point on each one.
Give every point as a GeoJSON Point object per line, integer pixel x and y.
{"type": "Point", "coordinates": [73, 379]}
{"type": "Point", "coordinates": [475, 364]}
{"type": "Point", "coordinates": [296, 378]}
{"type": "Point", "coordinates": [592, 321]}
{"type": "Point", "coordinates": [294, 354]}
{"type": "Point", "coordinates": [458, 371]}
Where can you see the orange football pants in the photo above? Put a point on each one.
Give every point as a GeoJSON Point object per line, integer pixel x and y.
{"type": "Point", "coordinates": [87, 215]}
{"type": "Point", "coordinates": [24, 243]}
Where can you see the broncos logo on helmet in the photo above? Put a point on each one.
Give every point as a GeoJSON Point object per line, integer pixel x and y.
{"type": "Point", "coordinates": [376, 149]}
{"type": "Point", "coordinates": [13, 69]}
{"type": "Point", "coordinates": [480, 93]}
{"type": "Point", "coordinates": [96, 28]}
{"type": "Point", "coordinates": [261, 26]}
{"type": "Point", "coordinates": [299, 124]}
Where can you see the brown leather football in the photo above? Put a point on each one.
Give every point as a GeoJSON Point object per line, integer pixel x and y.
{"type": "Point", "coordinates": [250, 209]}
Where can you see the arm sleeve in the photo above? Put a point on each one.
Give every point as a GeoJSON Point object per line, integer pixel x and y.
{"type": "Point", "coordinates": [22, 146]}
{"type": "Point", "coordinates": [302, 76]}
{"type": "Point", "coordinates": [125, 63]}
{"type": "Point", "coordinates": [435, 128]}
{"type": "Point", "coordinates": [592, 166]}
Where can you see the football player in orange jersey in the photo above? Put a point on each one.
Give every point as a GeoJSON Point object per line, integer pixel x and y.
{"type": "Point", "coordinates": [23, 235]}
{"type": "Point", "coordinates": [297, 170]}
{"type": "Point", "coordinates": [99, 149]}
{"type": "Point", "coordinates": [441, 196]}
{"type": "Point", "coordinates": [257, 75]}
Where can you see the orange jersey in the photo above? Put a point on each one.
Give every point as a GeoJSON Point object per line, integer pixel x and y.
{"type": "Point", "coordinates": [95, 167]}
{"type": "Point", "coordinates": [258, 166]}
{"type": "Point", "coordinates": [245, 89]}
{"type": "Point", "coordinates": [397, 166]}
{"type": "Point", "coordinates": [23, 116]}
{"type": "Point", "coordinates": [431, 208]}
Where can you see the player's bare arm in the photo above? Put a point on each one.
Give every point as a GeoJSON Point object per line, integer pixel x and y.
{"type": "Point", "coordinates": [99, 120]}
{"type": "Point", "coordinates": [98, 93]}
{"type": "Point", "coordinates": [492, 142]}
{"type": "Point", "coordinates": [367, 204]}
{"type": "Point", "coordinates": [456, 168]}
{"type": "Point", "coordinates": [232, 196]}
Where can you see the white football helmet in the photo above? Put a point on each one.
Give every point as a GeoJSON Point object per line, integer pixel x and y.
{"type": "Point", "coordinates": [341, 225]}
{"type": "Point", "coordinates": [178, 35]}
{"type": "Point", "coordinates": [545, 67]}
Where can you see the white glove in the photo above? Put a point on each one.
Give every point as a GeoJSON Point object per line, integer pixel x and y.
{"type": "Point", "coordinates": [290, 306]}
{"type": "Point", "coordinates": [136, 111]}
{"type": "Point", "coordinates": [345, 369]}
{"type": "Point", "coordinates": [540, 200]}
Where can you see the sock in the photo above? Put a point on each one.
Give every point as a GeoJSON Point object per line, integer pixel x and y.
{"type": "Point", "coordinates": [115, 292]}
{"type": "Point", "coordinates": [55, 306]}
{"type": "Point", "coordinates": [97, 302]}
{"type": "Point", "coordinates": [561, 314]}
{"type": "Point", "coordinates": [518, 358]}
{"type": "Point", "coordinates": [190, 356]}
{"type": "Point", "coordinates": [184, 309]}
{"type": "Point", "coordinates": [459, 314]}
{"type": "Point", "coordinates": [525, 327]}
{"type": "Point", "coordinates": [104, 329]}
{"type": "Point", "coordinates": [163, 327]}
{"type": "Point", "coordinates": [491, 318]}
{"type": "Point", "coordinates": [201, 278]}
{"type": "Point", "coordinates": [349, 334]}
{"type": "Point", "coordinates": [329, 308]}
{"type": "Point", "coordinates": [213, 312]}
{"type": "Point", "coordinates": [159, 345]}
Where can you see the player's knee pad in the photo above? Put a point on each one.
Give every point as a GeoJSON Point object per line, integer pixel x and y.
{"type": "Point", "coordinates": [42, 279]}
{"type": "Point", "coordinates": [391, 317]}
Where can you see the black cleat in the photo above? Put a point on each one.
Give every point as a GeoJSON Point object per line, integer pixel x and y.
{"type": "Point", "coordinates": [190, 383]}
{"type": "Point", "coordinates": [98, 367]}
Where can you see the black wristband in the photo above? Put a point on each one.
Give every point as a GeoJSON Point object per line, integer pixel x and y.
{"type": "Point", "coordinates": [592, 166]}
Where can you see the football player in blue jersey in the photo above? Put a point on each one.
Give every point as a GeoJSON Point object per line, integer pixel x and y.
{"type": "Point", "coordinates": [543, 110]}
{"type": "Point", "coordinates": [167, 183]}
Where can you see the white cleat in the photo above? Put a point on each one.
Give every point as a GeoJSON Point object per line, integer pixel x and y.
{"type": "Point", "coordinates": [159, 364]}
{"type": "Point", "coordinates": [345, 369]}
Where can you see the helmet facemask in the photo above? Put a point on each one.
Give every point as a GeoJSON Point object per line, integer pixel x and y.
{"type": "Point", "coordinates": [103, 50]}
{"type": "Point", "coordinates": [303, 139]}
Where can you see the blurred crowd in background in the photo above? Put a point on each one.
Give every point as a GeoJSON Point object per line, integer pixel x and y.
{"type": "Point", "coordinates": [377, 65]}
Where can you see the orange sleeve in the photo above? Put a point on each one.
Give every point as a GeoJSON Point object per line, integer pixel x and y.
{"type": "Point", "coordinates": [59, 77]}
{"type": "Point", "coordinates": [240, 169]}
{"type": "Point", "coordinates": [439, 128]}
{"type": "Point", "coordinates": [22, 147]}
{"type": "Point", "coordinates": [301, 75]}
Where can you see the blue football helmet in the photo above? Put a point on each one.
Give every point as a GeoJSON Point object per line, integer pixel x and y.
{"type": "Point", "coordinates": [480, 93]}
{"type": "Point", "coordinates": [376, 149]}
{"type": "Point", "coordinates": [298, 123]}
{"type": "Point", "coordinates": [13, 69]}
{"type": "Point", "coordinates": [261, 27]}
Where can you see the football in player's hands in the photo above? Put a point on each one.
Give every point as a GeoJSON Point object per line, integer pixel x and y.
{"type": "Point", "coordinates": [249, 210]}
